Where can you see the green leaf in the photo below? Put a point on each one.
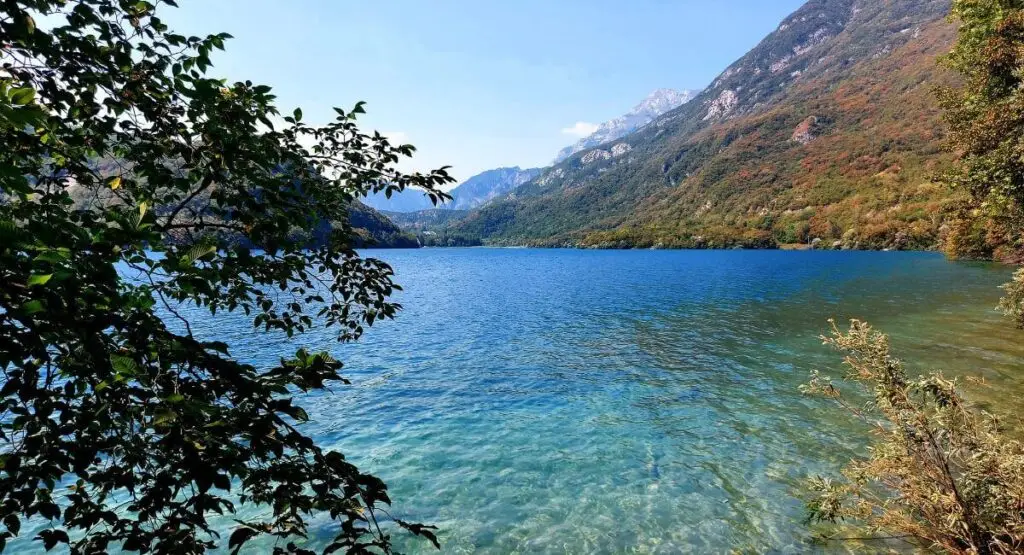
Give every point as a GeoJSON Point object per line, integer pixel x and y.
{"type": "Point", "coordinates": [52, 537]}
{"type": "Point", "coordinates": [13, 180]}
{"type": "Point", "coordinates": [13, 523]}
{"type": "Point", "coordinates": [124, 365]}
{"type": "Point", "coordinates": [32, 307]}
{"type": "Point", "coordinates": [49, 510]}
{"type": "Point", "coordinates": [39, 279]}
{"type": "Point", "coordinates": [54, 255]}
{"type": "Point", "coordinates": [23, 95]}
{"type": "Point", "coordinates": [239, 537]}
{"type": "Point", "coordinates": [298, 114]}
{"type": "Point", "coordinates": [164, 416]}
{"type": "Point", "coordinates": [197, 252]}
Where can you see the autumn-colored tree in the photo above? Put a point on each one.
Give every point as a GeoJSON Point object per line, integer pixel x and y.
{"type": "Point", "coordinates": [939, 473]}
{"type": "Point", "coordinates": [986, 127]}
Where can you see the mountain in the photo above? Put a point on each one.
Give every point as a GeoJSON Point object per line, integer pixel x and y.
{"type": "Point", "coordinates": [657, 103]}
{"type": "Point", "coordinates": [372, 229]}
{"type": "Point", "coordinates": [828, 129]}
{"type": "Point", "coordinates": [377, 230]}
{"type": "Point", "coordinates": [491, 184]}
{"type": "Point", "coordinates": [424, 219]}
{"type": "Point", "coordinates": [484, 187]}
{"type": "Point", "coordinates": [475, 191]}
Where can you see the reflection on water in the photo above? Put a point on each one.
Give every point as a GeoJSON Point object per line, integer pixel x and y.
{"type": "Point", "coordinates": [563, 401]}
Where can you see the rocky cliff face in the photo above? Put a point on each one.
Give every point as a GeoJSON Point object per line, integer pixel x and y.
{"type": "Point", "coordinates": [484, 187]}
{"type": "Point", "coordinates": [656, 104]}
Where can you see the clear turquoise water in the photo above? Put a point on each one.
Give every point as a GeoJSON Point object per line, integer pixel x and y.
{"type": "Point", "coordinates": [567, 401]}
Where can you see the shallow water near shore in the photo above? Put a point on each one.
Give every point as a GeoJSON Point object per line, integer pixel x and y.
{"type": "Point", "coordinates": [566, 401]}
{"type": "Point", "coordinates": [569, 401]}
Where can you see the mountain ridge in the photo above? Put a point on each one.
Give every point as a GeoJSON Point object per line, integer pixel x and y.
{"type": "Point", "coordinates": [498, 182]}
{"type": "Point", "coordinates": [471, 193]}
{"type": "Point", "coordinates": [655, 104]}
{"type": "Point", "coordinates": [607, 196]}
{"type": "Point", "coordinates": [488, 185]}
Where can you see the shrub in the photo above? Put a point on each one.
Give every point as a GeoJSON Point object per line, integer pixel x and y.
{"type": "Point", "coordinates": [939, 473]}
{"type": "Point", "coordinates": [1012, 304]}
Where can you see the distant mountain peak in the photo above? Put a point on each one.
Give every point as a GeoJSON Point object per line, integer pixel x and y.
{"type": "Point", "coordinates": [475, 191]}
{"type": "Point", "coordinates": [486, 186]}
{"type": "Point", "coordinates": [654, 105]}
{"type": "Point", "coordinates": [663, 100]}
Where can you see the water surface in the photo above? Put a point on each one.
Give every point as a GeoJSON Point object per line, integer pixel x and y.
{"type": "Point", "coordinates": [568, 401]}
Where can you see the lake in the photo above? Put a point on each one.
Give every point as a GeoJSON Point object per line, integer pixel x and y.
{"type": "Point", "coordinates": [573, 401]}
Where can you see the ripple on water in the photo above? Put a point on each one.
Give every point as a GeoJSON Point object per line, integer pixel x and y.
{"type": "Point", "coordinates": [605, 402]}
{"type": "Point", "coordinates": [560, 401]}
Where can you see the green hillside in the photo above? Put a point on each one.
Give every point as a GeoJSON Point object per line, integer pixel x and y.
{"type": "Point", "coordinates": [827, 130]}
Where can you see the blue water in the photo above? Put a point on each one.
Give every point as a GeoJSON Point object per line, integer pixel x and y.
{"type": "Point", "coordinates": [570, 401]}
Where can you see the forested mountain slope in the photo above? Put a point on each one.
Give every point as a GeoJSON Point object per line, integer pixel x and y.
{"type": "Point", "coordinates": [371, 228]}
{"type": "Point", "coordinates": [377, 230]}
{"type": "Point", "coordinates": [827, 129]}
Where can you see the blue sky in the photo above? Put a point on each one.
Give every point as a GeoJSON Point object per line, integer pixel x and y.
{"type": "Point", "coordinates": [478, 84]}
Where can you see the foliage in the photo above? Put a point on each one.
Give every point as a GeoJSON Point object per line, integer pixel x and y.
{"type": "Point", "coordinates": [986, 122]}
{"type": "Point", "coordinates": [939, 472]}
{"type": "Point", "coordinates": [121, 428]}
{"type": "Point", "coordinates": [1012, 304]}
{"type": "Point", "coordinates": [446, 238]}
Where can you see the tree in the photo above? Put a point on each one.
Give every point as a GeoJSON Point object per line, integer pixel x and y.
{"type": "Point", "coordinates": [984, 120]}
{"type": "Point", "coordinates": [124, 168]}
{"type": "Point", "coordinates": [986, 126]}
{"type": "Point", "coordinates": [939, 472]}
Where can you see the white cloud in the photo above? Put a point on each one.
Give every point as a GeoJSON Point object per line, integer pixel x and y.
{"type": "Point", "coordinates": [581, 129]}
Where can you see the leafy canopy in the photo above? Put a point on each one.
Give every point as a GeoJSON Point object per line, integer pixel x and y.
{"type": "Point", "coordinates": [124, 169]}
{"type": "Point", "coordinates": [986, 122]}
{"type": "Point", "coordinates": [986, 126]}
